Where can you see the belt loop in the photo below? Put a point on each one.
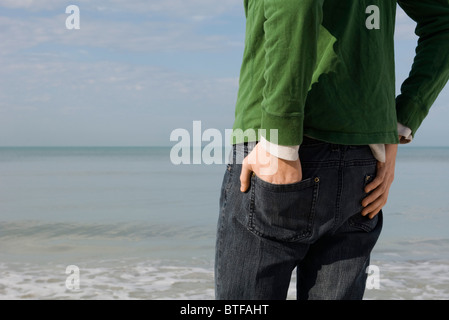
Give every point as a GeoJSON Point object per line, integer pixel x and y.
{"type": "Point", "coordinates": [335, 147]}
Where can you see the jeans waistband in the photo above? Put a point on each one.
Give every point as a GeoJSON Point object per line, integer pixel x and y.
{"type": "Point", "coordinates": [240, 151]}
{"type": "Point", "coordinates": [311, 141]}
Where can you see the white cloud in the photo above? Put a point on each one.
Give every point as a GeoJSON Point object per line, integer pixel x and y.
{"type": "Point", "coordinates": [174, 8]}
{"type": "Point", "coordinates": [144, 36]}
{"type": "Point", "coordinates": [56, 83]}
{"type": "Point", "coordinates": [47, 85]}
{"type": "Point", "coordinates": [55, 102]}
{"type": "Point", "coordinates": [29, 4]}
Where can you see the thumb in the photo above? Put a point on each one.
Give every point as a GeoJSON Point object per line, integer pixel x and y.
{"type": "Point", "coordinates": [245, 176]}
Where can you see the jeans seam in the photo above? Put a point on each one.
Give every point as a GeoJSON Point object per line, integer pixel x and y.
{"type": "Point", "coordinates": [251, 205]}
{"type": "Point", "coordinates": [320, 164]}
{"type": "Point", "coordinates": [360, 163]}
{"type": "Point", "coordinates": [221, 225]}
{"type": "Point", "coordinates": [339, 194]}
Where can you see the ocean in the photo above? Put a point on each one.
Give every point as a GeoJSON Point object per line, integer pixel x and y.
{"type": "Point", "coordinates": [127, 223]}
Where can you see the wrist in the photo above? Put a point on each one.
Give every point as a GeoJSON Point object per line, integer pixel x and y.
{"type": "Point", "coordinates": [283, 152]}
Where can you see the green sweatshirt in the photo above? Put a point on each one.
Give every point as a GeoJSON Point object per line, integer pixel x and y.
{"type": "Point", "coordinates": [326, 69]}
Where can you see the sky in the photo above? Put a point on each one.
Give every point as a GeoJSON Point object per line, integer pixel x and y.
{"type": "Point", "coordinates": [136, 70]}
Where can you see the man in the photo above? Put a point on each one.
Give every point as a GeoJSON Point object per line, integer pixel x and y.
{"type": "Point", "coordinates": [317, 83]}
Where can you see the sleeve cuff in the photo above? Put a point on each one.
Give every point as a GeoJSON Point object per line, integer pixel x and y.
{"type": "Point", "coordinates": [405, 133]}
{"type": "Point", "coordinates": [289, 153]}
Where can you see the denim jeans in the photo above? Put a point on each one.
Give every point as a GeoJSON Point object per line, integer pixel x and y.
{"type": "Point", "coordinates": [314, 225]}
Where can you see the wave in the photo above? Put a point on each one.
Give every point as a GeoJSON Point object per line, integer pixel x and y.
{"type": "Point", "coordinates": [118, 230]}
{"type": "Point", "coordinates": [135, 279]}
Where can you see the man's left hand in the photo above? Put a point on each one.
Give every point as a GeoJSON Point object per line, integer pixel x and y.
{"type": "Point", "coordinates": [380, 186]}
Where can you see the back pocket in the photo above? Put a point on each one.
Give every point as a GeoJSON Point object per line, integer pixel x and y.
{"type": "Point", "coordinates": [283, 212]}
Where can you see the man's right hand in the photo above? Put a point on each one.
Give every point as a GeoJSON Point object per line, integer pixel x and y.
{"type": "Point", "coordinates": [269, 168]}
{"type": "Point", "coordinates": [379, 188]}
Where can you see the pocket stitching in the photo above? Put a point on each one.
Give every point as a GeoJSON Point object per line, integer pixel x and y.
{"type": "Point", "coordinates": [313, 183]}
{"type": "Point", "coordinates": [368, 178]}
{"type": "Point", "coordinates": [227, 186]}
{"type": "Point", "coordinates": [291, 187]}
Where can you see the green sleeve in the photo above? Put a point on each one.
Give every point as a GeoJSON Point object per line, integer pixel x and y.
{"type": "Point", "coordinates": [430, 70]}
{"type": "Point", "coordinates": [291, 30]}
